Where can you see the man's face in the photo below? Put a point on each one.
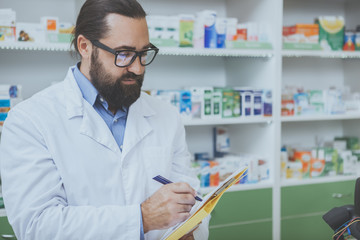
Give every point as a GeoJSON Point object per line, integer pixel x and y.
{"type": "Point", "coordinates": [119, 86]}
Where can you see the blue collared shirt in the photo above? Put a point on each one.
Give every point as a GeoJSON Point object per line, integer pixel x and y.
{"type": "Point", "coordinates": [116, 123]}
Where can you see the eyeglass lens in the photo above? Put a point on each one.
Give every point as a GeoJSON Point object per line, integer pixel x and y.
{"type": "Point", "coordinates": [124, 58]}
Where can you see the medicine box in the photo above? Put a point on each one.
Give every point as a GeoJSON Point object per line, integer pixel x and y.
{"type": "Point", "coordinates": [331, 32]}
{"type": "Point", "coordinates": [207, 103]}
{"type": "Point", "coordinates": [221, 141]}
{"type": "Point", "coordinates": [227, 101]}
{"type": "Point", "coordinates": [185, 103]}
{"type": "Point", "coordinates": [30, 32]}
{"type": "Point", "coordinates": [304, 157]}
{"type": "Point", "coordinates": [186, 30]}
{"type": "Point", "coordinates": [7, 24]}
{"type": "Point", "coordinates": [301, 33]}
{"type": "Point", "coordinates": [217, 104]}
{"type": "Point", "coordinates": [197, 99]}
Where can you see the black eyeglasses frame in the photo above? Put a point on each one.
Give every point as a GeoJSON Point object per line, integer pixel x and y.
{"type": "Point", "coordinates": [116, 53]}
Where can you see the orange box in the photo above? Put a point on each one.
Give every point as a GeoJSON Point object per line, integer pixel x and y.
{"type": "Point", "coordinates": [305, 158]}
{"type": "Point", "coordinates": [51, 25]}
{"type": "Point", "coordinates": [287, 107]}
{"type": "Point", "coordinates": [317, 167]}
{"type": "Point", "coordinates": [214, 173]}
{"type": "Point", "coordinates": [305, 29]}
{"type": "Point", "coordinates": [241, 34]}
{"type": "Point", "coordinates": [308, 33]}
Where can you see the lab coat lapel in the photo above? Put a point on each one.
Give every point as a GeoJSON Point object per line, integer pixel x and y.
{"type": "Point", "coordinates": [137, 124]}
{"type": "Point", "coordinates": [95, 127]}
{"type": "Point", "coordinates": [92, 125]}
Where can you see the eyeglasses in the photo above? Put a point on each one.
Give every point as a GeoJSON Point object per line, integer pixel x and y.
{"type": "Point", "coordinates": [124, 58]}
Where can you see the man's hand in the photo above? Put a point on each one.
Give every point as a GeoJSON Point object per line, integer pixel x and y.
{"type": "Point", "coordinates": [168, 206]}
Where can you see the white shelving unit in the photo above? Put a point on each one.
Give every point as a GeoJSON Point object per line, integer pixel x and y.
{"type": "Point", "coordinates": [168, 51]}
{"type": "Point", "coordinates": [36, 66]}
{"type": "Point", "coordinates": [320, 54]}
{"type": "Point", "coordinates": [35, 46]}
{"type": "Point", "coordinates": [320, 118]}
{"type": "Point", "coordinates": [229, 121]}
{"type": "Point", "coordinates": [216, 52]}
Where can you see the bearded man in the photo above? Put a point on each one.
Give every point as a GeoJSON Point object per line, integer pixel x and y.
{"type": "Point", "coordinates": [78, 158]}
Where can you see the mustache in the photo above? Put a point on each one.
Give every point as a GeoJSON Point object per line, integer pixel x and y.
{"type": "Point", "coordinates": [138, 78]}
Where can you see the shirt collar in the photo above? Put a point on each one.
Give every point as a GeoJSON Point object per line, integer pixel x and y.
{"type": "Point", "coordinates": [89, 92]}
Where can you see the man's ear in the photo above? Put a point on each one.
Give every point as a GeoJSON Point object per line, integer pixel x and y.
{"type": "Point", "coordinates": [84, 47]}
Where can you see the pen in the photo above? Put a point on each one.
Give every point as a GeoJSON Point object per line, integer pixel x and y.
{"type": "Point", "coordinates": [164, 181]}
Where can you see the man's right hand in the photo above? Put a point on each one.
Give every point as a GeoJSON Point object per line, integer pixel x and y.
{"type": "Point", "coordinates": [168, 206]}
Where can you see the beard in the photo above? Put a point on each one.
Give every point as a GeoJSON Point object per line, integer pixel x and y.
{"type": "Point", "coordinates": [119, 96]}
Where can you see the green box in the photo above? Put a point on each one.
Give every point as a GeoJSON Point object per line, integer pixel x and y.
{"type": "Point", "coordinates": [331, 33]}
{"type": "Point", "coordinates": [316, 99]}
{"type": "Point", "coordinates": [331, 157]}
{"type": "Point", "coordinates": [217, 103]}
{"type": "Point", "coordinates": [186, 31]}
{"type": "Point", "coordinates": [237, 104]}
{"type": "Point", "coordinates": [207, 102]}
{"type": "Point", "coordinates": [227, 101]}
{"type": "Point", "coordinates": [352, 143]}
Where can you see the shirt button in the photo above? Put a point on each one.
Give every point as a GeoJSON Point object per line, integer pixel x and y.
{"type": "Point", "coordinates": [101, 99]}
{"type": "Point", "coordinates": [115, 120]}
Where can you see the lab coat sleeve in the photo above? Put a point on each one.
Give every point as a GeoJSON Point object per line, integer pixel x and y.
{"type": "Point", "coordinates": [35, 199]}
{"type": "Point", "coordinates": [182, 171]}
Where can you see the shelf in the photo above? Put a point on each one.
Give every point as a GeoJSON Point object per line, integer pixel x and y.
{"type": "Point", "coordinates": [297, 182]}
{"type": "Point", "coordinates": [320, 54]}
{"type": "Point", "coordinates": [35, 46]}
{"type": "Point", "coordinates": [320, 118]}
{"type": "Point", "coordinates": [2, 212]}
{"type": "Point", "coordinates": [170, 51]}
{"type": "Point", "coordinates": [241, 187]}
{"type": "Point", "coordinates": [227, 121]}
{"type": "Point", "coordinates": [175, 51]}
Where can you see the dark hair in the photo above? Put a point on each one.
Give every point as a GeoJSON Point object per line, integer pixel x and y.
{"type": "Point", "coordinates": [91, 21]}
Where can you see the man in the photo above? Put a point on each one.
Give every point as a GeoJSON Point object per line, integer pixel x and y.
{"type": "Point", "coordinates": [78, 158]}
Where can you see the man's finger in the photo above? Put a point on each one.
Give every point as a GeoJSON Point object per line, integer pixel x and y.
{"type": "Point", "coordinates": [186, 199]}
{"type": "Point", "coordinates": [182, 187]}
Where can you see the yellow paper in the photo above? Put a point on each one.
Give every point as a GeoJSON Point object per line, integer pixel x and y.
{"type": "Point", "coordinates": [204, 208]}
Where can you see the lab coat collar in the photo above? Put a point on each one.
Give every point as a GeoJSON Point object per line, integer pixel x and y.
{"type": "Point", "coordinates": [137, 126]}
{"type": "Point", "coordinates": [73, 96]}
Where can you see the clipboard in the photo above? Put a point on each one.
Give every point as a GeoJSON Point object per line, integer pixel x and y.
{"type": "Point", "coordinates": [202, 209]}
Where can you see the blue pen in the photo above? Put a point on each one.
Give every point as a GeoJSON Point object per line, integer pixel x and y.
{"type": "Point", "coordinates": [164, 181]}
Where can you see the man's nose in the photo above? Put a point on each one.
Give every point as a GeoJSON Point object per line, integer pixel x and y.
{"type": "Point", "coordinates": [136, 67]}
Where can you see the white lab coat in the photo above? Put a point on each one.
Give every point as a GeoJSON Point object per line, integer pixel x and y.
{"type": "Point", "coordinates": [64, 176]}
